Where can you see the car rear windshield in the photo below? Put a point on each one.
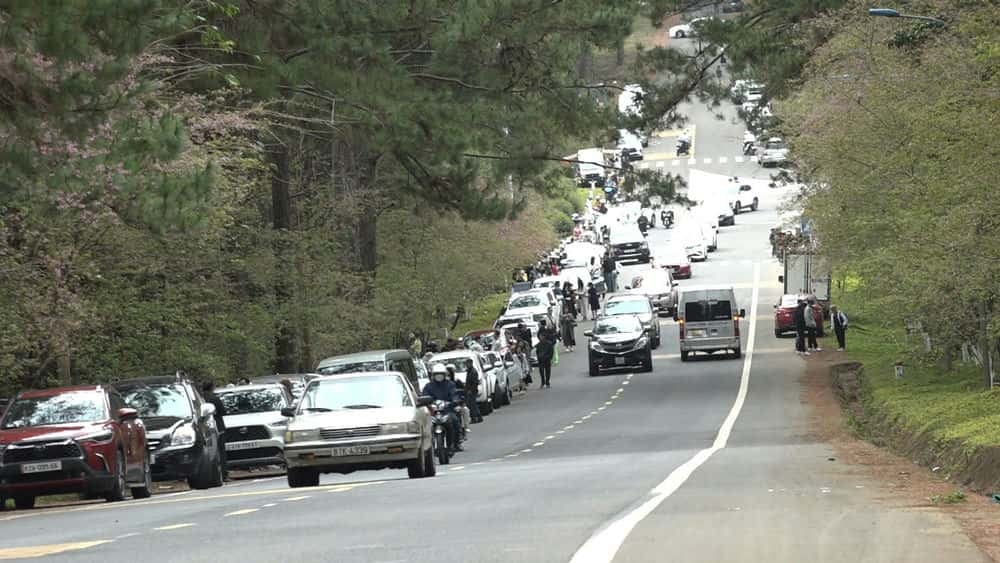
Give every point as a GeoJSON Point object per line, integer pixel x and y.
{"type": "Point", "coordinates": [525, 301]}
{"type": "Point", "coordinates": [64, 408]}
{"type": "Point", "coordinates": [701, 311]}
{"type": "Point", "coordinates": [247, 401]}
{"type": "Point", "coordinates": [159, 400]}
{"type": "Point", "coordinates": [368, 392]}
{"type": "Point", "coordinates": [627, 307]}
{"type": "Point", "coordinates": [353, 367]}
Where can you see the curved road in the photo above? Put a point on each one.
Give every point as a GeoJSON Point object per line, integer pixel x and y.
{"type": "Point", "coordinates": [623, 467]}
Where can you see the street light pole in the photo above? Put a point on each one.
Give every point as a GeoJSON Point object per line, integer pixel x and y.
{"type": "Point", "coordinates": [890, 13]}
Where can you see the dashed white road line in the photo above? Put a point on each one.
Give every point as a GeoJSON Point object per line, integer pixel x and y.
{"type": "Point", "coordinates": [723, 160]}
{"type": "Point", "coordinates": [550, 436]}
{"type": "Point", "coordinates": [293, 499]}
{"type": "Point", "coordinates": [269, 505]}
{"type": "Point", "coordinates": [456, 468]}
{"type": "Point", "coordinates": [738, 159]}
{"type": "Point", "coordinates": [603, 545]}
{"type": "Point", "coordinates": [174, 527]}
{"type": "Point", "coordinates": [676, 163]}
{"type": "Point", "coordinates": [241, 512]}
{"type": "Point", "coordinates": [659, 164]}
{"type": "Point", "coordinates": [538, 444]}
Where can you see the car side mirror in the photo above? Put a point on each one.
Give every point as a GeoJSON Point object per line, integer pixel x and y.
{"type": "Point", "coordinates": [425, 401]}
{"type": "Point", "coordinates": [288, 412]}
{"type": "Point", "coordinates": [125, 414]}
{"type": "Point", "coordinates": [588, 333]}
{"type": "Point", "coordinates": [628, 287]}
{"type": "Point", "coordinates": [743, 313]}
{"type": "Point", "coordinates": [207, 410]}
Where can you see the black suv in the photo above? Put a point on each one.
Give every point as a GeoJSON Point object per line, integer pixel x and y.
{"type": "Point", "coordinates": [181, 434]}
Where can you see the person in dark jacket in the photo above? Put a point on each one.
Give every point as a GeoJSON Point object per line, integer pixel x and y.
{"type": "Point", "coordinates": [208, 392]}
{"type": "Point", "coordinates": [799, 316]}
{"type": "Point", "coordinates": [440, 388]}
{"type": "Point", "coordinates": [568, 325]}
{"type": "Point", "coordinates": [545, 350]}
{"type": "Point", "coordinates": [472, 390]}
{"type": "Point", "coordinates": [839, 327]}
{"type": "Point", "coordinates": [569, 299]}
{"type": "Point", "coordinates": [595, 300]}
{"type": "Point", "coordinates": [545, 330]}
{"type": "Point", "coordinates": [608, 268]}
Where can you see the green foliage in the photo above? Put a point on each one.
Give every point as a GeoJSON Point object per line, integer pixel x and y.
{"type": "Point", "coordinates": [956, 497]}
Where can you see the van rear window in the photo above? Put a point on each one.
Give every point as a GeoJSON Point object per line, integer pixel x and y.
{"type": "Point", "coordinates": [702, 311]}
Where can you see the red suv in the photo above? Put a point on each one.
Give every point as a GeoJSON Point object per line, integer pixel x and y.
{"type": "Point", "coordinates": [784, 315]}
{"type": "Point", "coordinates": [72, 440]}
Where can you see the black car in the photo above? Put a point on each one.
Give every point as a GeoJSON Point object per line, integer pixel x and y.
{"type": "Point", "coordinates": [732, 7]}
{"type": "Point", "coordinates": [181, 434]}
{"type": "Point", "coordinates": [619, 341]}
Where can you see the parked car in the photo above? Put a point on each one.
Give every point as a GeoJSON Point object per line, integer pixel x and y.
{"type": "Point", "coordinates": [487, 379]}
{"type": "Point", "coordinates": [619, 341]}
{"type": "Point", "coordinates": [255, 427]}
{"type": "Point", "coordinates": [628, 244]}
{"type": "Point", "coordinates": [732, 7]}
{"type": "Point", "coordinates": [72, 440]}
{"type": "Point", "coordinates": [709, 321]}
{"type": "Point", "coordinates": [743, 88]}
{"type": "Point", "coordinates": [775, 152]}
{"type": "Point", "coordinates": [346, 423]}
{"type": "Point", "coordinates": [657, 285]}
{"type": "Point", "coordinates": [507, 328]}
{"type": "Point", "coordinates": [630, 145]}
{"type": "Point", "coordinates": [689, 29]}
{"type": "Point", "coordinates": [373, 361]}
{"type": "Point", "coordinates": [784, 319]}
{"type": "Point", "coordinates": [634, 305]}
{"type": "Point", "coordinates": [298, 381]}
{"type": "Point", "coordinates": [537, 304]}
{"type": "Point", "coordinates": [501, 372]}
{"type": "Point", "coordinates": [182, 438]}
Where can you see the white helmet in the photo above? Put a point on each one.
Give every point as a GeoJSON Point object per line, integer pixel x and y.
{"type": "Point", "coordinates": [438, 368]}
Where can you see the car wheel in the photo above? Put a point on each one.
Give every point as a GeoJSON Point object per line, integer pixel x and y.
{"type": "Point", "coordinates": [146, 489]}
{"type": "Point", "coordinates": [218, 474]}
{"type": "Point", "coordinates": [737, 353]}
{"type": "Point", "coordinates": [486, 408]}
{"type": "Point", "coordinates": [656, 342]}
{"type": "Point", "coordinates": [302, 477]}
{"type": "Point", "coordinates": [684, 355]}
{"type": "Point", "coordinates": [202, 479]}
{"type": "Point", "coordinates": [679, 34]}
{"type": "Point", "coordinates": [117, 491]}
{"type": "Point", "coordinates": [24, 502]}
{"type": "Point", "coordinates": [737, 209]}
{"type": "Point", "coordinates": [753, 206]}
{"type": "Point", "coordinates": [508, 394]}
{"type": "Point", "coordinates": [441, 449]}
{"type": "Point", "coordinates": [430, 465]}
{"type": "Point", "coordinates": [497, 399]}
{"type": "Point", "coordinates": [647, 362]}
{"type": "Point", "coordinates": [421, 467]}
{"type": "Point", "coordinates": [777, 333]}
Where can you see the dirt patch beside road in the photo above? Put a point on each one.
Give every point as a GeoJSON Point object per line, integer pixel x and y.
{"type": "Point", "coordinates": [903, 482]}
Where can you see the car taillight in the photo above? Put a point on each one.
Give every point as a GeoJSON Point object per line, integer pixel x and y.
{"type": "Point", "coordinates": [680, 328]}
{"type": "Point", "coordinates": [736, 325]}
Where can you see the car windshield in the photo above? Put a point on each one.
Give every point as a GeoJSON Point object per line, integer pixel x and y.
{"type": "Point", "coordinates": [367, 392]}
{"type": "Point", "coordinates": [626, 307]}
{"type": "Point", "coordinates": [623, 324]}
{"type": "Point", "coordinates": [525, 301]}
{"type": "Point", "coordinates": [64, 408]}
{"type": "Point", "coordinates": [707, 310]}
{"type": "Point", "coordinates": [158, 400]}
{"type": "Point", "coordinates": [353, 367]}
{"type": "Point", "coordinates": [247, 401]}
{"type": "Point", "coordinates": [458, 362]}
{"type": "Point", "coordinates": [775, 145]}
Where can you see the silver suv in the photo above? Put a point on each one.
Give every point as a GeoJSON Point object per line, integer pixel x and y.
{"type": "Point", "coordinates": [255, 427]}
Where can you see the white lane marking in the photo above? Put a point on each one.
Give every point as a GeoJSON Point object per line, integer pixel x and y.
{"type": "Point", "coordinates": [550, 436]}
{"type": "Point", "coordinates": [753, 159]}
{"type": "Point", "coordinates": [738, 159]}
{"type": "Point", "coordinates": [497, 459]}
{"type": "Point", "coordinates": [602, 407]}
{"type": "Point", "coordinates": [644, 165]}
{"type": "Point", "coordinates": [624, 382]}
{"type": "Point", "coordinates": [128, 535]}
{"type": "Point", "coordinates": [526, 451]}
{"type": "Point", "coordinates": [538, 444]}
{"type": "Point", "coordinates": [174, 527]}
{"type": "Point", "coordinates": [293, 499]}
{"type": "Point", "coordinates": [570, 426]}
{"type": "Point", "coordinates": [675, 163]}
{"type": "Point", "coordinates": [660, 164]}
{"type": "Point", "coordinates": [456, 468]}
{"type": "Point", "coordinates": [268, 505]}
{"type": "Point", "coordinates": [586, 417]}
{"type": "Point", "coordinates": [692, 161]}
{"type": "Point", "coordinates": [241, 512]}
{"type": "Point", "coordinates": [708, 161]}
{"type": "Point", "coordinates": [723, 160]}
{"type": "Point", "coordinates": [607, 403]}
{"type": "Point", "coordinates": [620, 389]}
{"type": "Point", "coordinates": [511, 455]}
{"type": "Point", "coordinates": [560, 431]}
{"type": "Point", "coordinates": [603, 545]}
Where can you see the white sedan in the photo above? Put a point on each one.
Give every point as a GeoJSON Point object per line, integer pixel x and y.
{"type": "Point", "coordinates": [689, 29]}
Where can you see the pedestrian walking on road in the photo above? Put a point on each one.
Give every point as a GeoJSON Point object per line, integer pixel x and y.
{"type": "Point", "coordinates": [839, 327]}
{"type": "Point", "coordinates": [472, 391]}
{"type": "Point", "coordinates": [545, 350]}
{"type": "Point", "coordinates": [416, 347]}
{"type": "Point", "coordinates": [799, 316]}
{"type": "Point", "coordinates": [568, 331]}
{"type": "Point", "coordinates": [569, 299]}
{"type": "Point", "coordinates": [208, 393]}
{"type": "Point", "coordinates": [811, 327]}
{"type": "Point", "coordinates": [595, 301]}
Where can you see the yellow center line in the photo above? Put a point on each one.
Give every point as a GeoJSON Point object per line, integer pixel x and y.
{"type": "Point", "coordinates": [31, 551]}
{"type": "Point", "coordinates": [174, 527]}
{"type": "Point", "coordinates": [242, 512]}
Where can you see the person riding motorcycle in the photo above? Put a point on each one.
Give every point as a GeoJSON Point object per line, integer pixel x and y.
{"type": "Point", "coordinates": [442, 389]}
{"type": "Point", "coordinates": [643, 224]}
{"type": "Point", "coordinates": [667, 218]}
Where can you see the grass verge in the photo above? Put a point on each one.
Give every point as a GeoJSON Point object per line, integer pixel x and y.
{"type": "Point", "coordinates": [939, 417]}
{"type": "Point", "coordinates": [484, 312]}
{"type": "Point", "coordinates": [605, 61]}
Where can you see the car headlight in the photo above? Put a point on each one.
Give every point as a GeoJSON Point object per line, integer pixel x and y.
{"type": "Point", "coordinates": [540, 317]}
{"type": "Point", "coordinates": [596, 346]}
{"type": "Point", "coordinates": [101, 436]}
{"type": "Point", "coordinates": [183, 436]}
{"type": "Point", "coordinates": [645, 245]}
{"type": "Point", "coordinates": [301, 435]}
{"type": "Point", "coordinates": [411, 427]}
{"type": "Point", "coordinates": [641, 343]}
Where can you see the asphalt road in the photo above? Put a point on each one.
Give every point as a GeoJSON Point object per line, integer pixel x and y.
{"type": "Point", "coordinates": [702, 461]}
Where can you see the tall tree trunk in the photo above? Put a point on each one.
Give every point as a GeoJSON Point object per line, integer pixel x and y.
{"type": "Point", "coordinates": [620, 55]}
{"type": "Point", "coordinates": [281, 218]}
{"type": "Point", "coordinates": [583, 65]}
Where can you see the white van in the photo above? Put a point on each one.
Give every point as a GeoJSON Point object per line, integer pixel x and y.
{"type": "Point", "coordinates": [708, 321]}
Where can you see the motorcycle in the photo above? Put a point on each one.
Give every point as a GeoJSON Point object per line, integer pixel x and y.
{"type": "Point", "coordinates": [667, 218]}
{"type": "Point", "coordinates": [643, 226]}
{"type": "Point", "coordinates": [442, 419]}
{"type": "Point", "coordinates": [683, 147]}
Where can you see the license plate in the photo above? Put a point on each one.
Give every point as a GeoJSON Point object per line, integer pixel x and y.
{"type": "Point", "coordinates": [41, 467]}
{"type": "Point", "coordinates": [233, 446]}
{"type": "Point", "coordinates": [620, 361]}
{"type": "Point", "coordinates": [696, 332]}
{"type": "Point", "coordinates": [350, 451]}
